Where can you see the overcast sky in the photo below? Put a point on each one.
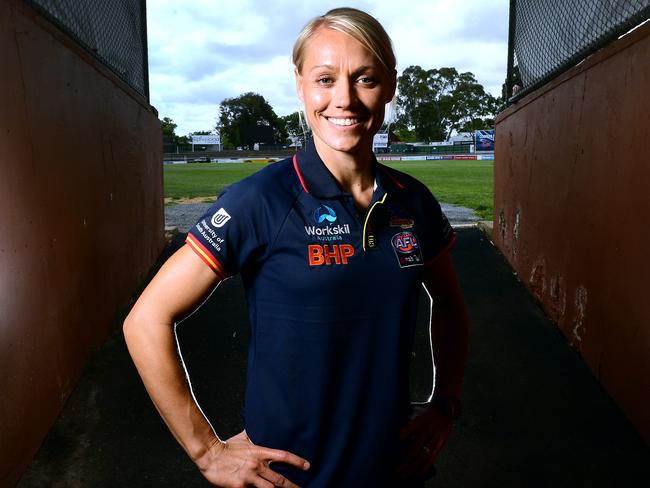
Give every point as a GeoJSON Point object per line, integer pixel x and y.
{"type": "Point", "coordinates": [202, 51]}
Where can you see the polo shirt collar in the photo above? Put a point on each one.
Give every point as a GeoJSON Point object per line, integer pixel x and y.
{"type": "Point", "coordinates": [318, 181]}
{"type": "Point", "coordinates": [315, 177]}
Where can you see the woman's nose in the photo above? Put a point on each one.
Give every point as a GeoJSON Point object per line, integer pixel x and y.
{"type": "Point", "coordinates": [344, 94]}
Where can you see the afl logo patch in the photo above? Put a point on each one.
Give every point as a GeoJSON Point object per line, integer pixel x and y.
{"type": "Point", "coordinates": [220, 218]}
{"type": "Point", "coordinates": [407, 249]}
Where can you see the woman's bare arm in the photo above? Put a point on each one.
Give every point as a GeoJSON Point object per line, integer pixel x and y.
{"type": "Point", "coordinates": [182, 282]}
{"type": "Point", "coordinates": [180, 286]}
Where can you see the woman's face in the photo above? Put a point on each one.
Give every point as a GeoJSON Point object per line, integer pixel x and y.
{"type": "Point", "coordinates": [344, 89]}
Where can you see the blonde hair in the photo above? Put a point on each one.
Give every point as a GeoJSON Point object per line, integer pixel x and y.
{"type": "Point", "coordinates": [356, 23]}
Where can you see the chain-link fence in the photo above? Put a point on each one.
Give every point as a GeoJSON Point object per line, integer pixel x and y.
{"type": "Point", "coordinates": [548, 37]}
{"type": "Point", "coordinates": [115, 31]}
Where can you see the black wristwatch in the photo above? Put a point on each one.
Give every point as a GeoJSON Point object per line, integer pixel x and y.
{"type": "Point", "coordinates": [449, 406]}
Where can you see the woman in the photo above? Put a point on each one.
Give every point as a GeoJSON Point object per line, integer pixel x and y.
{"type": "Point", "coordinates": [333, 249]}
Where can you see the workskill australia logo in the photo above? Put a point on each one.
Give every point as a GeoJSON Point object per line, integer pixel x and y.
{"type": "Point", "coordinates": [324, 216]}
{"type": "Point", "coordinates": [220, 218]}
{"type": "Point", "coordinates": [407, 249]}
{"type": "Point", "coordinates": [324, 213]}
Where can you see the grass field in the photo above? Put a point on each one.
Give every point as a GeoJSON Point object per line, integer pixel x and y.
{"type": "Point", "coordinates": [467, 183]}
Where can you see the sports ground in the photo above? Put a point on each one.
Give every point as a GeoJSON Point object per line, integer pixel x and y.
{"type": "Point", "coordinates": [468, 183]}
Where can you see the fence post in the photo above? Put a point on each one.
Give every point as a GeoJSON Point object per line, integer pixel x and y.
{"type": "Point", "coordinates": [511, 50]}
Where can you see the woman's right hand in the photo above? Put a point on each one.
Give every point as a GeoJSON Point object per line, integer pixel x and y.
{"type": "Point", "coordinates": [238, 463]}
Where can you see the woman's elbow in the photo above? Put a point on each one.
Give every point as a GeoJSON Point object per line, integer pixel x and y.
{"type": "Point", "coordinates": [130, 327]}
{"type": "Point", "coordinates": [145, 325]}
{"type": "Point", "coordinates": [135, 325]}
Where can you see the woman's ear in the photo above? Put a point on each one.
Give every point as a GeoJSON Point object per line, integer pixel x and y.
{"type": "Point", "coordinates": [392, 86]}
{"type": "Point", "coordinates": [298, 84]}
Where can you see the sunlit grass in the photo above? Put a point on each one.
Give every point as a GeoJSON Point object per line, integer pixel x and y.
{"type": "Point", "coordinates": [461, 182]}
{"type": "Point", "coordinates": [468, 183]}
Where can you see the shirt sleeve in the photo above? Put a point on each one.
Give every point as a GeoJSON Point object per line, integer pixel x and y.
{"type": "Point", "coordinates": [229, 236]}
{"type": "Point", "coordinates": [439, 237]}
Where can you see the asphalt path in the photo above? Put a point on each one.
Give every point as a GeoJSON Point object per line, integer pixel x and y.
{"type": "Point", "coordinates": [533, 414]}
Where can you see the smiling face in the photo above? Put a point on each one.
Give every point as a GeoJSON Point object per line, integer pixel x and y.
{"type": "Point", "coordinates": [344, 88]}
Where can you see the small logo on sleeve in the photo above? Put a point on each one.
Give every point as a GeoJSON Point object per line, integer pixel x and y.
{"type": "Point", "coordinates": [220, 218]}
{"type": "Point", "coordinates": [407, 249]}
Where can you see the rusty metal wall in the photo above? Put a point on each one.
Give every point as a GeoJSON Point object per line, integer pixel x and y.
{"type": "Point", "coordinates": [572, 209]}
{"type": "Point", "coordinates": [81, 218]}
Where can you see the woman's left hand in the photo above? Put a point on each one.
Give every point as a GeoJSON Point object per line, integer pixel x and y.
{"type": "Point", "coordinates": [422, 439]}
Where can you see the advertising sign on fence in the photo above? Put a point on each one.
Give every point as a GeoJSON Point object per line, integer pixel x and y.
{"type": "Point", "coordinates": [380, 140]}
{"type": "Point", "coordinates": [484, 140]}
{"type": "Point", "coordinates": [208, 140]}
{"type": "Point", "coordinates": [484, 157]}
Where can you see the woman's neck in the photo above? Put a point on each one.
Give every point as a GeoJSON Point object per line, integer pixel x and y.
{"type": "Point", "coordinates": [353, 172]}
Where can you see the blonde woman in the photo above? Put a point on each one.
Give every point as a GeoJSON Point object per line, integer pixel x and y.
{"type": "Point", "coordinates": [332, 248]}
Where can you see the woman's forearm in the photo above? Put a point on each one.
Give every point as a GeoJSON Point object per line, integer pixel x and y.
{"type": "Point", "coordinates": [181, 284]}
{"type": "Point", "coordinates": [153, 348]}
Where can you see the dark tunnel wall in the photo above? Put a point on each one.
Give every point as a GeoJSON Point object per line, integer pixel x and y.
{"type": "Point", "coordinates": [81, 218]}
{"type": "Point", "coordinates": [572, 207]}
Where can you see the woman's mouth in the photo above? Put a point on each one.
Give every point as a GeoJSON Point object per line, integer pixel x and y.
{"type": "Point", "coordinates": [343, 122]}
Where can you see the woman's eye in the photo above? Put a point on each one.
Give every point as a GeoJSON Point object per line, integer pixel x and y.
{"type": "Point", "coordinates": [366, 80]}
{"type": "Point", "coordinates": [325, 80]}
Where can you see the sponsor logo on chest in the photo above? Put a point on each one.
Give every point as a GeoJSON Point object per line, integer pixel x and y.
{"type": "Point", "coordinates": [327, 255]}
{"type": "Point", "coordinates": [330, 231]}
{"type": "Point", "coordinates": [327, 229]}
{"type": "Point", "coordinates": [335, 230]}
{"type": "Point", "coordinates": [407, 249]}
{"type": "Point", "coordinates": [400, 218]}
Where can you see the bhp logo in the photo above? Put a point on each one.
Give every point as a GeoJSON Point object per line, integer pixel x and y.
{"type": "Point", "coordinates": [327, 255]}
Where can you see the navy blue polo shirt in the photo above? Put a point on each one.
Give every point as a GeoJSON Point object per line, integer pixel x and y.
{"type": "Point", "coordinates": [332, 295]}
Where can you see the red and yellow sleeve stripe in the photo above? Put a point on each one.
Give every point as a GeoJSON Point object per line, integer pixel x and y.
{"type": "Point", "coordinates": [206, 256]}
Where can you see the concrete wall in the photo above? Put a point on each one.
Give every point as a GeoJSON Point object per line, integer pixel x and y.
{"type": "Point", "coordinates": [572, 204]}
{"type": "Point", "coordinates": [81, 219]}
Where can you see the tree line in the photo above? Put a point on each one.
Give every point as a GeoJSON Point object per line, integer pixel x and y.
{"type": "Point", "coordinates": [430, 106]}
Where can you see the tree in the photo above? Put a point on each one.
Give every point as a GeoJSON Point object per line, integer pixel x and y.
{"type": "Point", "coordinates": [434, 103]}
{"type": "Point", "coordinates": [245, 117]}
{"type": "Point", "coordinates": [295, 129]}
{"type": "Point", "coordinates": [417, 107]}
{"type": "Point", "coordinates": [168, 129]}
{"type": "Point", "coordinates": [171, 141]}
{"type": "Point", "coordinates": [476, 124]}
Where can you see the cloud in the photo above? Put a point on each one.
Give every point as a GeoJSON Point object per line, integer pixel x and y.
{"type": "Point", "coordinates": [201, 51]}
